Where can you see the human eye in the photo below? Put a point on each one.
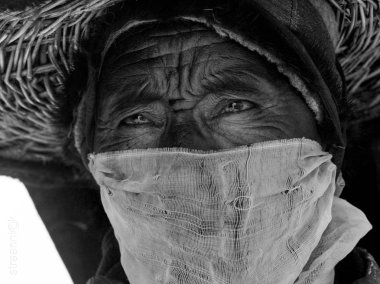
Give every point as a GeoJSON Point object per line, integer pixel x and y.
{"type": "Point", "coordinates": [237, 106]}
{"type": "Point", "coordinates": [136, 120]}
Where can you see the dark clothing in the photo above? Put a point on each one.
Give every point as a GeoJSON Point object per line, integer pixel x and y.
{"type": "Point", "coordinates": [301, 20]}
{"type": "Point", "coordinates": [290, 34]}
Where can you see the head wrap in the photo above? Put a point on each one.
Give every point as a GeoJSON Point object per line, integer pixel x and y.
{"type": "Point", "coordinates": [290, 34]}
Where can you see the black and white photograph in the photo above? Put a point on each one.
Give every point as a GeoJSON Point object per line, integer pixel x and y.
{"type": "Point", "coordinates": [190, 141]}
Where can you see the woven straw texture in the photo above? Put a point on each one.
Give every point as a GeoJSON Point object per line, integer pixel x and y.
{"type": "Point", "coordinates": [36, 52]}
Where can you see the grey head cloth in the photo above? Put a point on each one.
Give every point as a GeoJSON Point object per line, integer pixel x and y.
{"type": "Point", "coordinates": [290, 34]}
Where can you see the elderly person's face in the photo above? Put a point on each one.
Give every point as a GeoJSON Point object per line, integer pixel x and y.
{"type": "Point", "coordinates": [188, 87]}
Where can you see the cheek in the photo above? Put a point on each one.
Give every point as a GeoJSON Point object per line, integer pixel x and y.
{"type": "Point", "coordinates": [246, 129]}
{"type": "Point", "coordinates": [131, 138]}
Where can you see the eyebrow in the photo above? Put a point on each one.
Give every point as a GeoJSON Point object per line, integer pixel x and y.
{"type": "Point", "coordinates": [231, 85]}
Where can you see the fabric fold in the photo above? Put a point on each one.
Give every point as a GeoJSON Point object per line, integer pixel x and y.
{"type": "Point", "coordinates": [263, 213]}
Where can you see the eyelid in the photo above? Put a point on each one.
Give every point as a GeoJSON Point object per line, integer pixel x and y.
{"type": "Point", "coordinates": [237, 101]}
{"type": "Point", "coordinates": [218, 108]}
{"type": "Point", "coordinates": [152, 121]}
{"type": "Point", "coordinates": [134, 115]}
{"type": "Point", "coordinates": [215, 98]}
{"type": "Point", "coordinates": [156, 120]}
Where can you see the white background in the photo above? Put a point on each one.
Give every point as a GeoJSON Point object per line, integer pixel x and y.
{"type": "Point", "coordinates": [27, 253]}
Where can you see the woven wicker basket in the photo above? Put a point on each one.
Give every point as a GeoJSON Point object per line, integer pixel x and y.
{"type": "Point", "coordinates": [36, 52]}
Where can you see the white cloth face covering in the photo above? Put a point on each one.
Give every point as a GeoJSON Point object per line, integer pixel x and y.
{"type": "Point", "coordinates": [264, 213]}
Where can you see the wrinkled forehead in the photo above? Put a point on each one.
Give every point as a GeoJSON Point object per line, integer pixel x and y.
{"type": "Point", "coordinates": [165, 37]}
{"type": "Point", "coordinates": [152, 40]}
{"type": "Point", "coordinates": [177, 56]}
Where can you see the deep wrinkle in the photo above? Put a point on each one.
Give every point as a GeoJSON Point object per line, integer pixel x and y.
{"type": "Point", "coordinates": [179, 88]}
